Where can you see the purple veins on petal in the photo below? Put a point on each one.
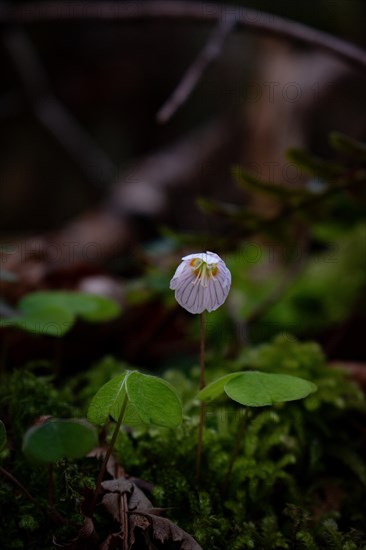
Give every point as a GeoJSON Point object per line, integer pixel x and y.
{"type": "Point", "coordinates": [191, 296]}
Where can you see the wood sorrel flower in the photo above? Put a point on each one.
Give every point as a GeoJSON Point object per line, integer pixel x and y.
{"type": "Point", "coordinates": [202, 281]}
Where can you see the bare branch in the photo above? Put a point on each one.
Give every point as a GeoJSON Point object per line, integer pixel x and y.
{"type": "Point", "coordinates": [198, 11]}
{"type": "Point", "coordinates": [189, 81]}
{"type": "Point", "coordinates": [52, 114]}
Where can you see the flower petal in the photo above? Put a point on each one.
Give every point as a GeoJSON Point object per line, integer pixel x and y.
{"type": "Point", "coordinates": [208, 257]}
{"type": "Point", "coordinates": [182, 270]}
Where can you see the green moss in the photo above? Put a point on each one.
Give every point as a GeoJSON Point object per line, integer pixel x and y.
{"type": "Point", "coordinates": [298, 482]}
{"type": "Point", "coordinates": [291, 453]}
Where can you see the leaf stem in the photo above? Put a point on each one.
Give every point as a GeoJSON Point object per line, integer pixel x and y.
{"type": "Point", "coordinates": [234, 452]}
{"type": "Point", "coordinates": [107, 456]}
{"type": "Point", "coordinates": [3, 356]}
{"type": "Point", "coordinates": [24, 490]}
{"type": "Point", "coordinates": [55, 516]}
{"type": "Point", "coordinates": [50, 492]}
{"type": "Point", "coordinates": [202, 405]}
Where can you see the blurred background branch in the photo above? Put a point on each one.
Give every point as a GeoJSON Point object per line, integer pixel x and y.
{"type": "Point", "coordinates": [52, 114]}
{"type": "Point", "coordinates": [210, 52]}
{"type": "Point", "coordinates": [199, 11]}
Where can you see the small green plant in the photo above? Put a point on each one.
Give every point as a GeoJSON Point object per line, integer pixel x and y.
{"type": "Point", "coordinates": [133, 397]}
{"type": "Point", "coordinates": [254, 389]}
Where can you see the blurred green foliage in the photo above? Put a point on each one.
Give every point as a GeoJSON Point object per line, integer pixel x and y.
{"type": "Point", "coordinates": [54, 312]}
{"type": "Point", "coordinates": [302, 270]}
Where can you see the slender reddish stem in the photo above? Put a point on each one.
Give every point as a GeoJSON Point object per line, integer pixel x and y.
{"type": "Point", "coordinates": [202, 351]}
{"type": "Point", "coordinates": [50, 495]}
{"type": "Point", "coordinates": [107, 455]}
{"type": "Point", "coordinates": [202, 406]}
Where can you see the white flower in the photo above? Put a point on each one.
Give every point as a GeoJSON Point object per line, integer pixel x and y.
{"type": "Point", "coordinates": [202, 281]}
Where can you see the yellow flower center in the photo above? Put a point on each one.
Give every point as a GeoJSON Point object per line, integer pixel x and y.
{"type": "Point", "coordinates": [202, 270]}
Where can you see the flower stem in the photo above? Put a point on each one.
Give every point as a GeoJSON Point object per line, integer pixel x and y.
{"type": "Point", "coordinates": [202, 351]}
{"type": "Point", "coordinates": [234, 452]}
{"type": "Point", "coordinates": [202, 405]}
{"type": "Point", "coordinates": [107, 456]}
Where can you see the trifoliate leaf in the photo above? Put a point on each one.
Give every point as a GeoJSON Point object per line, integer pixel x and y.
{"type": "Point", "coordinates": [257, 389]}
{"type": "Point", "coordinates": [151, 400]}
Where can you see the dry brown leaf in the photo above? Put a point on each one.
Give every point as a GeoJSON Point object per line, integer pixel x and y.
{"type": "Point", "coordinates": [86, 538]}
{"type": "Point", "coordinates": [114, 541]}
{"type": "Point", "coordinates": [156, 529]}
{"type": "Point", "coordinates": [137, 499]}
